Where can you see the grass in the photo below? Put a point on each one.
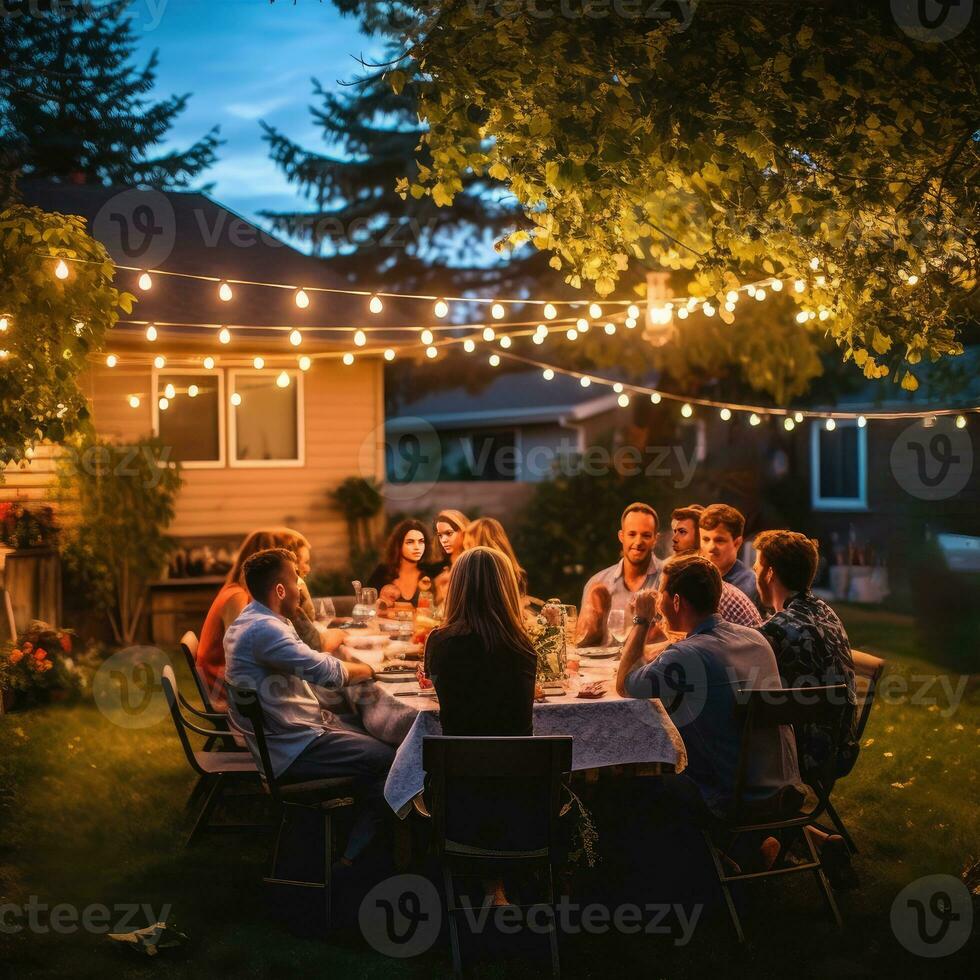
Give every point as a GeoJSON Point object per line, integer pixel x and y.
{"type": "Point", "coordinates": [93, 813]}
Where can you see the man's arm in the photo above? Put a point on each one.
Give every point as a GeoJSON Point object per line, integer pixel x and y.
{"type": "Point", "coordinates": [286, 653]}
{"type": "Point", "coordinates": [632, 654]}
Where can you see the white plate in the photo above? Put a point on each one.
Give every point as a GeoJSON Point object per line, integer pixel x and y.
{"type": "Point", "coordinates": [598, 653]}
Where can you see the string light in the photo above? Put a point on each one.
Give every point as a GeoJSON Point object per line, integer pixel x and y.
{"type": "Point", "coordinates": [610, 328]}
{"type": "Point", "coordinates": [159, 362]}
{"type": "Point", "coordinates": [134, 401]}
{"type": "Point", "coordinates": [798, 416]}
{"type": "Point", "coordinates": [912, 279]}
{"type": "Point", "coordinates": [469, 345]}
{"type": "Point", "coordinates": [821, 280]}
{"type": "Point", "coordinates": [170, 391]}
{"type": "Point", "coordinates": [61, 269]}
{"type": "Point", "coordinates": [814, 263]}
{"type": "Point", "coordinates": [624, 401]}
{"type": "Point", "coordinates": [802, 316]}
{"type": "Point", "coordinates": [426, 337]}
{"type": "Point", "coordinates": [830, 425]}
{"type": "Point", "coordinates": [618, 387]}
{"type": "Point", "coordinates": [824, 314]}
{"type": "Point", "coordinates": [726, 414]}
{"type": "Point", "coordinates": [549, 311]}
{"type": "Point", "coordinates": [4, 323]}
{"type": "Point", "coordinates": [111, 361]}
{"type": "Point", "coordinates": [301, 299]}
{"type": "Point", "coordinates": [581, 324]}
{"type": "Point", "coordinates": [730, 306]}
{"type": "Point", "coordinates": [488, 334]}
{"type": "Point", "coordinates": [236, 399]}
{"type": "Point", "coordinates": [224, 336]}
{"type": "Point", "coordinates": [595, 311]}
{"type": "Point", "coordinates": [633, 311]}
{"type": "Point", "coordinates": [862, 421]}
{"type": "Point", "coordinates": [497, 311]}
{"type": "Point", "coordinates": [440, 308]}
{"type": "Point", "coordinates": [538, 338]}
{"type": "Point", "coordinates": [750, 290]}
{"type": "Point", "coordinates": [192, 391]}
{"type": "Point", "coordinates": [494, 360]}
{"type": "Point", "coordinates": [283, 379]}
{"type": "Point", "coordinates": [144, 282]}
{"type": "Point", "coordinates": [305, 363]}
{"type": "Point", "coordinates": [754, 419]}
{"type": "Point", "coordinates": [295, 338]}
{"type": "Point", "coordinates": [585, 382]}
{"type": "Point", "coordinates": [225, 293]}
{"type": "Point", "coordinates": [431, 353]}
{"type": "Point", "coordinates": [375, 305]}
{"type": "Point", "coordinates": [348, 358]}
{"type": "Point", "coordinates": [258, 363]}
{"type": "Point", "coordinates": [686, 410]}
{"type": "Point", "coordinates": [760, 295]}
{"type": "Point", "coordinates": [571, 333]}
{"type": "Point", "coordinates": [789, 425]}
{"type": "Point", "coordinates": [732, 296]}
{"type": "Point", "coordinates": [960, 421]}
{"type": "Point", "coordinates": [209, 363]}
{"type": "Point", "coordinates": [776, 285]}
{"type": "Point", "coordinates": [389, 354]}
{"type": "Point", "coordinates": [630, 323]}
{"type": "Point", "coordinates": [547, 374]}
{"type": "Point", "coordinates": [360, 338]}
{"type": "Point", "coordinates": [655, 397]}
{"type": "Point", "coordinates": [163, 404]}
{"type": "Point", "coordinates": [708, 309]}
{"type": "Point", "coordinates": [799, 285]}
{"type": "Point", "coordinates": [505, 342]}
{"type": "Point", "coordinates": [151, 333]}
{"type": "Point", "coordinates": [682, 313]}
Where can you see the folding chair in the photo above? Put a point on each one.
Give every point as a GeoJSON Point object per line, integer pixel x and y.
{"type": "Point", "coordinates": [216, 769]}
{"type": "Point", "coordinates": [867, 668]}
{"type": "Point", "coordinates": [495, 805]}
{"type": "Point", "coordinates": [323, 796]}
{"type": "Point", "coordinates": [188, 645]}
{"type": "Point", "coordinates": [759, 710]}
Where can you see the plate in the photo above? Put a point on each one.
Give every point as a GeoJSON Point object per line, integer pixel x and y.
{"type": "Point", "coordinates": [599, 653]}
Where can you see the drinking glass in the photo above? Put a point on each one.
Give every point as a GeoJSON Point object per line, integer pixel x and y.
{"type": "Point", "coordinates": [323, 610]}
{"type": "Point", "coordinates": [616, 624]}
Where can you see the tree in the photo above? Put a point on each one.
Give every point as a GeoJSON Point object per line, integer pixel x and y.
{"type": "Point", "coordinates": [120, 500]}
{"type": "Point", "coordinates": [812, 142]}
{"type": "Point", "coordinates": [49, 326]}
{"type": "Point", "coordinates": [71, 103]}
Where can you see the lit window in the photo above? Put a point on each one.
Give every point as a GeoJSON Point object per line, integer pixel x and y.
{"type": "Point", "coordinates": [839, 467]}
{"type": "Point", "coordinates": [266, 427]}
{"type": "Point", "coordinates": [192, 422]}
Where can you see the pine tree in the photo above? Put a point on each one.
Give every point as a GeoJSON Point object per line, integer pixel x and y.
{"type": "Point", "coordinates": [72, 103]}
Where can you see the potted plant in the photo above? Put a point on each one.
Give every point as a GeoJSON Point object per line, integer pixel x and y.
{"type": "Point", "coordinates": [38, 667]}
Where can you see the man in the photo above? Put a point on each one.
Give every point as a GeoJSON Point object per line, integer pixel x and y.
{"type": "Point", "coordinates": [734, 606]}
{"type": "Point", "coordinates": [306, 741]}
{"type": "Point", "coordinates": [614, 587]}
{"type": "Point", "coordinates": [808, 640]}
{"type": "Point", "coordinates": [696, 678]}
{"type": "Point", "coordinates": [722, 528]}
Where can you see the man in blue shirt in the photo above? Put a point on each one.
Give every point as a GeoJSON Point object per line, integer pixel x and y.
{"type": "Point", "coordinates": [722, 529]}
{"type": "Point", "coordinates": [306, 741]}
{"type": "Point", "coordinates": [696, 678]}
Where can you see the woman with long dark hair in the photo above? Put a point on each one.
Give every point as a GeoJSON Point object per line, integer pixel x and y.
{"type": "Point", "coordinates": [402, 560]}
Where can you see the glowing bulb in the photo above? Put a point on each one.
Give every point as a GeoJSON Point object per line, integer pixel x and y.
{"type": "Point", "coordinates": [624, 401]}
{"type": "Point", "coordinates": [375, 305]}
{"type": "Point", "coordinates": [305, 363]}
{"type": "Point", "coordinates": [595, 311]}
{"type": "Point", "coordinates": [4, 323]}
{"type": "Point", "coordinates": [258, 363]}
{"type": "Point", "coordinates": [547, 374]}
{"type": "Point", "coordinates": [726, 414]}
{"type": "Point", "coordinates": [686, 410]}
{"type": "Point", "coordinates": [821, 280]}
{"type": "Point", "coordinates": [236, 399]}
{"type": "Point", "coordinates": [799, 285]}
{"type": "Point", "coordinates": [630, 322]}
{"type": "Point", "coordinates": [61, 269]}
{"type": "Point", "coordinates": [732, 296]}
{"type": "Point", "coordinates": [469, 345]}
{"type": "Point", "coordinates": [295, 338]}
{"type": "Point", "coordinates": [538, 338]}
{"type": "Point", "coordinates": [571, 333]}
{"type": "Point", "coordinates": [224, 336]}
{"type": "Point", "coordinates": [912, 279]}
{"type": "Point", "coordinates": [488, 334]}
{"type": "Point", "coordinates": [789, 425]}
{"type": "Point", "coordinates": [754, 419]}
{"type": "Point", "coordinates": [585, 382]}
{"type": "Point", "coordinates": [862, 421]}
{"type": "Point", "coordinates": [431, 352]}
{"type": "Point", "coordinates": [541, 329]}
{"type": "Point", "coordinates": [111, 361]}
{"type": "Point", "coordinates": [505, 342]}
{"type": "Point", "coordinates": [633, 310]}
{"type": "Point", "coordinates": [441, 308]}
{"type": "Point", "coordinates": [581, 324]}
{"type": "Point", "coordinates": [760, 294]}
{"type": "Point", "coordinates": [170, 392]}
{"type": "Point", "coordinates": [151, 333]}
{"type": "Point", "coordinates": [494, 360]}
{"type": "Point", "coordinates": [655, 397]}
{"type": "Point", "coordinates": [750, 289]}
{"type": "Point", "coordinates": [811, 315]}
{"type": "Point", "coordinates": [776, 285]}
{"type": "Point", "coordinates": [389, 354]}
{"type": "Point", "coordinates": [960, 421]}
{"type": "Point", "coordinates": [830, 425]}
{"type": "Point", "coordinates": [497, 311]}
{"type": "Point", "coordinates": [192, 391]}
{"type": "Point", "coordinates": [798, 416]}
{"type": "Point", "coordinates": [164, 404]}
{"type": "Point", "coordinates": [282, 379]}
{"type": "Point", "coordinates": [144, 282]}
{"type": "Point", "coordinates": [208, 363]}
{"type": "Point", "coordinates": [134, 401]}
{"type": "Point", "coordinates": [301, 299]}
{"type": "Point", "coordinates": [360, 338]}
{"type": "Point", "coordinates": [159, 362]}
{"type": "Point", "coordinates": [79, 328]}
{"type": "Point", "coordinates": [617, 387]}
{"type": "Point", "coordinates": [708, 309]}
{"type": "Point", "coordinates": [610, 328]}
{"type": "Point", "coordinates": [348, 358]}
{"type": "Point", "coordinates": [730, 307]}
{"type": "Point", "coordinates": [426, 337]}
{"type": "Point", "coordinates": [814, 263]}
{"type": "Point", "coordinates": [802, 316]}
{"type": "Point", "coordinates": [224, 292]}
{"type": "Point", "coordinates": [549, 311]}
{"type": "Point", "coordinates": [682, 313]}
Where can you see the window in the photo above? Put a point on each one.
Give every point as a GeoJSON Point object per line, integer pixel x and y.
{"type": "Point", "coordinates": [266, 428]}
{"type": "Point", "coordinates": [192, 422]}
{"type": "Point", "coordinates": [479, 455]}
{"type": "Point", "coordinates": [839, 466]}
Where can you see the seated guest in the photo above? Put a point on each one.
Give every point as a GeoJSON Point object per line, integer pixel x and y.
{"type": "Point", "coordinates": [721, 528]}
{"type": "Point", "coordinates": [401, 563]}
{"type": "Point", "coordinates": [449, 526]}
{"type": "Point", "coordinates": [305, 740]}
{"type": "Point", "coordinates": [696, 678]}
{"type": "Point", "coordinates": [638, 569]}
{"type": "Point", "coordinates": [488, 532]}
{"type": "Point", "coordinates": [809, 641]}
{"type": "Point", "coordinates": [481, 660]}
{"type": "Point", "coordinates": [684, 535]}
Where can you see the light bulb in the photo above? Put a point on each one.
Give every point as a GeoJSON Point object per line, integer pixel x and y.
{"type": "Point", "coordinates": [488, 334]}
{"type": "Point", "coordinates": [426, 337]}
{"type": "Point", "coordinates": [571, 333]}
{"type": "Point", "coordinates": [655, 397]}
{"type": "Point", "coordinates": [862, 421]}
{"type": "Point", "coordinates": [811, 315]}
{"type": "Point", "coordinates": [754, 419]}
{"type": "Point", "coordinates": [799, 285]}
{"type": "Point", "coordinates": [159, 362]}
{"type": "Point", "coordinates": [760, 294]}
{"type": "Point", "coordinates": [750, 289]}
{"type": "Point", "coordinates": [360, 338]}
{"type": "Point", "coordinates": [469, 345]}
{"type": "Point", "coordinates": [732, 296]}
{"type": "Point", "coordinates": [295, 338]}
{"type": "Point", "coordinates": [305, 363]}
{"type": "Point", "coordinates": [282, 379]}
{"type": "Point", "coordinates": [348, 358]}
{"type": "Point", "coordinates": [726, 414]}
{"type": "Point", "coordinates": [617, 387]}
{"type": "Point", "coordinates": [821, 280]}
{"type": "Point", "coordinates": [549, 311]}
{"type": "Point", "coordinates": [633, 310]}
{"type": "Point", "coordinates": [111, 361]}
{"type": "Point", "coordinates": [224, 292]}
{"type": "Point", "coordinates": [236, 399]}
{"type": "Point", "coordinates": [538, 338]}
{"type": "Point", "coordinates": [581, 324]}
{"type": "Point", "coordinates": [912, 279]}
{"type": "Point", "coordinates": [145, 281]}
{"type": "Point", "coordinates": [686, 410]}
{"type": "Point", "coordinates": [494, 360]}
{"type": "Point", "coordinates": [682, 313]}
{"type": "Point", "coordinates": [595, 311]}
{"type": "Point", "coordinates": [4, 323]}
{"type": "Point", "coordinates": [151, 333]}
{"type": "Point", "coordinates": [224, 336]}
{"type": "Point", "coordinates": [164, 404]}
{"type": "Point", "coordinates": [441, 308]}
{"type": "Point", "coordinates": [830, 425]}
{"type": "Point", "coordinates": [497, 311]}
{"type": "Point", "coordinates": [776, 285]}
{"type": "Point", "coordinates": [375, 305]}
{"type": "Point", "coordinates": [585, 382]}
{"type": "Point", "coordinates": [192, 391]}
{"type": "Point", "coordinates": [547, 374]}
{"type": "Point", "coordinates": [802, 316]}
{"type": "Point", "coordinates": [624, 401]}
{"type": "Point", "coordinates": [134, 401]}
{"type": "Point", "coordinates": [730, 306]}
{"type": "Point", "coordinates": [389, 354]}
{"type": "Point", "coordinates": [630, 322]}
{"type": "Point", "coordinates": [789, 425]}
{"type": "Point", "coordinates": [258, 363]}
{"type": "Point", "coordinates": [814, 263]}
{"type": "Point", "coordinates": [541, 329]}
{"type": "Point", "coordinates": [824, 314]}
{"type": "Point", "coordinates": [610, 328]}
{"type": "Point", "coordinates": [61, 269]}
{"type": "Point", "coordinates": [170, 391]}
{"type": "Point", "coordinates": [431, 352]}
{"type": "Point", "coordinates": [301, 299]}
{"type": "Point", "coordinates": [505, 342]}
{"type": "Point", "coordinates": [960, 421]}
{"type": "Point", "coordinates": [708, 309]}
{"type": "Point", "coordinates": [209, 363]}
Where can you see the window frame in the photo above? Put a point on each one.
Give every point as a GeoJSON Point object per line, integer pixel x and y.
{"type": "Point", "coordinates": [296, 379]}
{"type": "Point", "coordinates": [858, 503]}
{"type": "Point", "coordinates": [194, 464]}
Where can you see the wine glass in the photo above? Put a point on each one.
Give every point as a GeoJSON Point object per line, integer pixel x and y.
{"type": "Point", "coordinates": [616, 624]}
{"type": "Point", "coordinates": [323, 610]}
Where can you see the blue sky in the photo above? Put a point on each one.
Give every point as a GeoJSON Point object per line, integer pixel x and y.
{"type": "Point", "coordinates": [246, 60]}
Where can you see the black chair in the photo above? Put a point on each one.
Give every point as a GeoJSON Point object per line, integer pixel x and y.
{"type": "Point", "coordinates": [759, 710]}
{"type": "Point", "coordinates": [216, 769]}
{"type": "Point", "coordinates": [495, 804]}
{"type": "Point", "coordinates": [322, 796]}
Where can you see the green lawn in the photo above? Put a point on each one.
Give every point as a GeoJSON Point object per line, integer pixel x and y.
{"type": "Point", "coordinates": [93, 813]}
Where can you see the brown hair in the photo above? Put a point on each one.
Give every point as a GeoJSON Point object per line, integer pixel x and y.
{"type": "Point", "coordinates": [791, 555]}
{"type": "Point", "coordinates": [391, 557]}
{"type": "Point", "coordinates": [488, 532]}
{"type": "Point", "coordinates": [638, 507]}
{"type": "Point", "coordinates": [728, 517]}
{"type": "Point", "coordinates": [262, 540]}
{"type": "Point", "coordinates": [264, 569]}
{"type": "Point", "coordinates": [692, 578]}
{"type": "Point", "coordinates": [456, 519]}
{"type": "Point", "coordinates": [692, 512]}
{"type": "Point", "coordinates": [484, 599]}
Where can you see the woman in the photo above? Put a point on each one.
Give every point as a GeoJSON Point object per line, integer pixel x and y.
{"type": "Point", "coordinates": [488, 532]}
{"type": "Point", "coordinates": [401, 561]}
{"type": "Point", "coordinates": [449, 526]}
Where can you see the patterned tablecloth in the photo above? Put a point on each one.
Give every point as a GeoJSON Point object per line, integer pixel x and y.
{"type": "Point", "coordinates": [609, 732]}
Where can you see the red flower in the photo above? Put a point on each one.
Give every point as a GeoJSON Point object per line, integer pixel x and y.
{"type": "Point", "coordinates": [28, 646]}
{"type": "Point", "coordinates": [16, 656]}
{"type": "Point", "coordinates": [40, 654]}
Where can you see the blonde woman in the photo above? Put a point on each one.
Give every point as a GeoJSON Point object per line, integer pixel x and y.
{"type": "Point", "coordinates": [449, 526]}
{"type": "Point", "coordinates": [488, 532]}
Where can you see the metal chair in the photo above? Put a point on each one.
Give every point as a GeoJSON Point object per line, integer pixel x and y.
{"type": "Point", "coordinates": [759, 710]}
{"type": "Point", "coordinates": [216, 769]}
{"type": "Point", "coordinates": [495, 804]}
{"type": "Point", "coordinates": [869, 669]}
{"type": "Point", "coordinates": [321, 795]}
